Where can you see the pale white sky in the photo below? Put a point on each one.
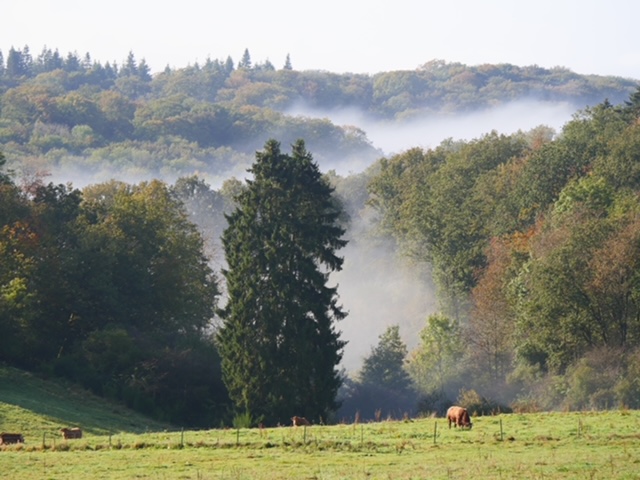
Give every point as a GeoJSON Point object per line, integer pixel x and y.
{"type": "Point", "coordinates": [365, 36]}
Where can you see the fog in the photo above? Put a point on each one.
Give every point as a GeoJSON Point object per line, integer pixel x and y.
{"type": "Point", "coordinates": [430, 130]}
{"type": "Point", "coordinates": [376, 287]}
{"type": "Point", "coordinates": [378, 290]}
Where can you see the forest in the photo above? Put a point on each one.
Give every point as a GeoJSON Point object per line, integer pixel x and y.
{"type": "Point", "coordinates": [95, 121]}
{"type": "Point", "coordinates": [529, 240]}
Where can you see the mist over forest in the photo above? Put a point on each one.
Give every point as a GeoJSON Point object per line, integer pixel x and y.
{"type": "Point", "coordinates": [428, 130]}
{"type": "Point", "coordinates": [458, 182]}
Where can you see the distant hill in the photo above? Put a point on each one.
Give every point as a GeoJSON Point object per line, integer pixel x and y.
{"type": "Point", "coordinates": [34, 406]}
{"type": "Point", "coordinates": [88, 122]}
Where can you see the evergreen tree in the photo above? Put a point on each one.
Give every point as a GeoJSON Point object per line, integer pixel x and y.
{"type": "Point", "coordinates": [16, 65]}
{"type": "Point", "coordinates": [632, 106]}
{"type": "Point", "coordinates": [130, 68]}
{"type": "Point", "coordinates": [28, 60]}
{"type": "Point", "coordinates": [267, 66]}
{"type": "Point", "coordinates": [86, 62]}
{"type": "Point", "coordinates": [144, 72]}
{"type": "Point", "coordinates": [72, 63]}
{"type": "Point", "coordinates": [246, 60]}
{"type": "Point", "coordinates": [228, 65]}
{"type": "Point", "coordinates": [278, 344]}
{"type": "Point", "coordinates": [287, 63]}
{"type": "Point", "coordinates": [384, 367]}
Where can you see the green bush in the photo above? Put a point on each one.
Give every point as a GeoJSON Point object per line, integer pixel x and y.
{"type": "Point", "coordinates": [242, 420]}
{"type": "Point", "coordinates": [627, 388]}
{"type": "Point", "coordinates": [592, 380]}
{"type": "Point", "coordinates": [478, 405]}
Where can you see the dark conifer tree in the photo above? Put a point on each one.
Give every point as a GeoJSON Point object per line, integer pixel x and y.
{"type": "Point", "coordinates": [632, 106]}
{"type": "Point", "coordinates": [86, 62]}
{"type": "Point", "coordinates": [384, 367]}
{"type": "Point", "coordinates": [287, 63]}
{"type": "Point", "coordinates": [27, 60]}
{"type": "Point", "coordinates": [130, 68]}
{"type": "Point", "coordinates": [144, 72]}
{"type": "Point", "coordinates": [72, 63]}
{"type": "Point", "coordinates": [16, 64]}
{"type": "Point", "coordinates": [278, 342]}
{"type": "Point", "coordinates": [228, 65]}
{"type": "Point", "coordinates": [246, 60]}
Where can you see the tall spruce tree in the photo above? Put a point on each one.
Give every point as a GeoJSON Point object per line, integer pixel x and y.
{"type": "Point", "coordinates": [278, 342]}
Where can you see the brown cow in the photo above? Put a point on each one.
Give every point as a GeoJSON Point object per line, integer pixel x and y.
{"type": "Point", "coordinates": [459, 417]}
{"type": "Point", "coordinates": [299, 421]}
{"type": "Point", "coordinates": [71, 433]}
{"type": "Point", "coordinates": [8, 438]}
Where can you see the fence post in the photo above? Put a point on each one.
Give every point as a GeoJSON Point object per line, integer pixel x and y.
{"type": "Point", "coordinates": [435, 431]}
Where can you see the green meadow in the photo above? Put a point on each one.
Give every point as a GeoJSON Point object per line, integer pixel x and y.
{"type": "Point", "coordinates": [121, 445]}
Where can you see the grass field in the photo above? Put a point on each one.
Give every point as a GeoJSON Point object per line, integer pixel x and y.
{"type": "Point", "coordinates": [120, 445]}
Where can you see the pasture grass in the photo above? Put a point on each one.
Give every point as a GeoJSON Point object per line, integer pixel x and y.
{"type": "Point", "coordinates": [577, 445]}
{"type": "Point", "coordinates": [591, 445]}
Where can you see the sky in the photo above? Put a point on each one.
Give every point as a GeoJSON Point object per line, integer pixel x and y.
{"type": "Point", "coordinates": [341, 36]}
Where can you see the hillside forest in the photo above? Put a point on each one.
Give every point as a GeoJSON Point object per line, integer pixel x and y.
{"type": "Point", "coordinates": [530, 240]}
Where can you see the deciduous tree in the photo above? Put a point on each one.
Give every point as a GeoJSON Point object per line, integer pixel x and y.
{"type": "Point", "coordinates": [434, 365]}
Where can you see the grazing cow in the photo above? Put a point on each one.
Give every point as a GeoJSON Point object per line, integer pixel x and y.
{"type": "Point", "coordinates": [459, 417]}
{"type": "Point", "coordinates": [8, 438]}
{"type": "Point", "coordinates": [70, 433]}
{"type": "Point", "coordinates": [299, 421]}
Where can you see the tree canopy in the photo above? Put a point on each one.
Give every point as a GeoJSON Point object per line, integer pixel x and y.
{"type": "Point", "coordinates": [114, 119]}
{"type": "Point", "coordinates": [110, 287]}
{"type": "Point", "coordinates": [533, 240]}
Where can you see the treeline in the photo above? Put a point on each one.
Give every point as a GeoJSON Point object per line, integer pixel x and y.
{"type": "Point", "coordinates": [532, 239]}
{"type": "Point", "coordinates": [534, 245]}
{"type": "Point", "coordinates": [103, 121]}
{"type": "Point", "coordinates": [73, 113]}
{"type": "Point", "coordinates": [111, 287]}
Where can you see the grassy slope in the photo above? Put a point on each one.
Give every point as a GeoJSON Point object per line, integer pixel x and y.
{"type": "Point", "coordinates": [34, 407]}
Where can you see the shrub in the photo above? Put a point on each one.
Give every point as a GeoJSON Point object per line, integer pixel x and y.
{"type": "Point", "coordinates": [539, 391]}
{"type": "Point", "coordinates": [592, 379]}
{"type": "Point", "coordinates": [525, 405]}
{"type": "Point", "coordinates": [479, 405]}
{"type": "Point", "coordinates": [627, 388]}
{"type": "Point", "coordinates": [434, 403]}
{"type": "Point", "coordinates": [371, 402]}
{"type": "Point", "coordinates": [242, 420]}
